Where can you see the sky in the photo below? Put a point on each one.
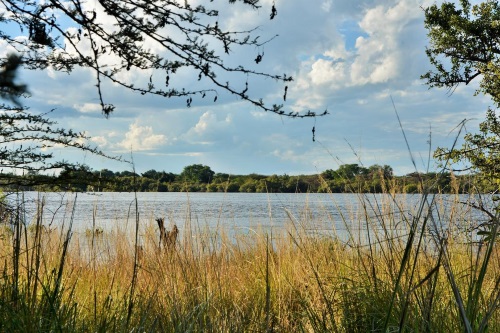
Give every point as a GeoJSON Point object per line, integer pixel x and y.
{"type": "Point", "coordinates": [353, 58]}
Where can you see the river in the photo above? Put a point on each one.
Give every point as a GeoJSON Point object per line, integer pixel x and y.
{"type": "Point", "coordinates": [234, 212]}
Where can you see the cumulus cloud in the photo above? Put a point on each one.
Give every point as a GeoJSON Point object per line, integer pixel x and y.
{"type": "Point", "coordinates": [328, 71]}
{"type": "Point", "coordinates": [100, 141]}
{"type": "Point", "coordinates": [140, 138]}
{"type": "Point", "coordinates": [209, 127]}
{"type": "Point", "coordinates": [380, 55]}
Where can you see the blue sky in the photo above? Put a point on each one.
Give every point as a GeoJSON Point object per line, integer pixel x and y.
{"type": "Point", "coordinates": [349, 57]}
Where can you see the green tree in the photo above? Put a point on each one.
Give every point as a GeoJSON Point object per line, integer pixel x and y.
{"type": "Point", "coordinates": [481, 150]}
{"type": "Point", "coordinates": [249, 186]}
{"type": "Point", "coordinates": [232, 187]}
{"type": "Point", "coordinates": [76, 178]}
{"type": "Point", "coordinates": [197, 173]}
{"type": "Point", "coordinates": [350, 171]}
{"type": "Point", "coordinates": [160, 176]}
{"type": "Point", "coordinates": [378, 171]}
{"type": "Point", "coordinates": [127, 174]}
{"type": "Point", "coordinates": [105, 173]}
{"type": "Point", "coordinates": [465, 45]}
{"type": "Point", "coordinates": [329, 174]}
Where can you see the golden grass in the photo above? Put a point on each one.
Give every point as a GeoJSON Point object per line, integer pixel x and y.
{"type": "Point", "coordinates": [298, 280]}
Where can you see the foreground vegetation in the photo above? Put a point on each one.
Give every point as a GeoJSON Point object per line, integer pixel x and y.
{"type": "Point", "coordinates": [412, 269]}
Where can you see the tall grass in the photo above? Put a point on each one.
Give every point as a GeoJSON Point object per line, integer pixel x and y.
{"type": "Point", "coordinates": [395, 267]}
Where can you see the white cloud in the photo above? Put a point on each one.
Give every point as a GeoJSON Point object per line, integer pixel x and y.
{"type": "Point", "coordinates": [88, 107]}
{"type": "Point", "coordinates": [327, 71]}
{"type": "Point", "coordinates": [100, 141]}
{"type": "Point", "coordinates": [209, 127]}
{"type": "Point", "coordinates": [287, 155]}
{"type": "Point", "coordinates": [326, 5]}
{"type": "Point", "coordinates": [140, 138]}
{"type": "Point", "coordinates": [379, 55]}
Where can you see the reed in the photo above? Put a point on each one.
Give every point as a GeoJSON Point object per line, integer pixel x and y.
{"type": "Point", "coordinates": [422, 268]}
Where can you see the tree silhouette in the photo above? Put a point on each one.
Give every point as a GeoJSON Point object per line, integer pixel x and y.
{"type": "Point", "coordinates": [158, 37]}
{"type": "Point", "coordinates": [26, 147]}
{"type": "Point", "coordinates": [27, 138]}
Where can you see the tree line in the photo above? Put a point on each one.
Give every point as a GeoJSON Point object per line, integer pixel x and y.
{"type": "Point", "coordinates": [347, 178]}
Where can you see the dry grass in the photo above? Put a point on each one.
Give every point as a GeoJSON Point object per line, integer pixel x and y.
{"type": "Point", "coordinates": [296, 280]}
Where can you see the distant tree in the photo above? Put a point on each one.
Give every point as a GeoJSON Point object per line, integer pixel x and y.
{"type": "Point", "coordinates": [76, 178]}
{"type": "Point", "coordinates": [273, 184]}
{"type": "Point", "coordinates": [153, 174]}
{"type": "Point", "coordinates": [197, 173]}
{"type": "Point", "coordinates": [160, 37]}
{"type": "Point", "coordinates": [350, 171]}
{"type": "Point", "coordinates": [221, 177]}
{"type": "Point", "coordinates": [329, 174]}
{"type": "Point", "coordinates": [161, 176]}
{"type": "Point", "coordinates": [127, 174]}
{"type": "Point", "coordinates": [212, 187]}
{"type": "Point", "coordinates": [232, 187]}
{"type": "Point", "coordinates": [167, 177]}
{"type": "Point", "coordinates": [256, 176]}
{"type": "Point", "coordinates": [296, 185]}
{"type": "Point", "coordinates": [377, 171]}
{"type": "Point", "coordinates": [160, 179]}
{"type": "Point", "coordinates": [249, 186]}
{"type": "Point", "coordinates": [105, 173]}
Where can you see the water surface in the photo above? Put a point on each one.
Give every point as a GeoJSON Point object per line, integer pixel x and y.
{"type": "Point", "coordinates": [237, 211]}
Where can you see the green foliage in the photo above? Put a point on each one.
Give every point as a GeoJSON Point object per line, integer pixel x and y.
{"type": "Point", "coordinates": [464, 45]}
{"type": "Point", "coordinates": [196, 178]}
{"type": "Point", "coordinates": [350, 171]}
{"type": "Point", "coordinates": [197, 173]}
{"type": "Point", "coordinates": [76, 178]}
{"type": "Point", "coordinates": [468, 38]}
{"type": "Point", "coordinates": [481, 150]}
{"type": "Point", "coordinates": [159, 176]}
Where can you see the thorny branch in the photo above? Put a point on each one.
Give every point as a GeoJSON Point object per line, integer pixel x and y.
{"type": "Point", "coordinates": [161, 37]}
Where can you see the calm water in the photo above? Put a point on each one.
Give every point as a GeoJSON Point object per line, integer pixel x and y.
{"type": "Point", "coordinates": [232, 211]}
{"type": "Point", "coordinates": [240, 210]}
